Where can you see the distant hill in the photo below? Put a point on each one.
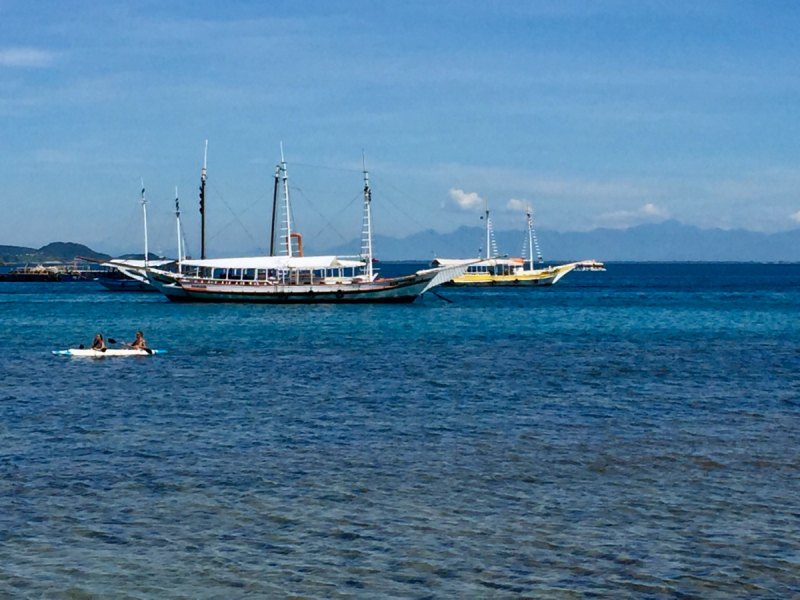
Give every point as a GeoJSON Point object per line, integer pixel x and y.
{"type": "Point", "coordinates": [12, 254]}
{"type": "Point", "coordinates": [63, 252]}
{"type": "Point", "coordinates": [660, 242]}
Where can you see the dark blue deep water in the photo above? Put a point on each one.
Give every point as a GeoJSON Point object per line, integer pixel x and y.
{"type": "Point", "coordinates": [628, 434]}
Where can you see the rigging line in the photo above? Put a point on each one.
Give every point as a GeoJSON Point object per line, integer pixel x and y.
{"type": "Point", "coordinates": [183, 236]}
{"type": "Point", "coordinates": [225, 202]}
{"type": "Point", "coordinates": [406, 215]}
{"type": "Point", "coordinates": [126, 225]}
{"type": "Point", "coordinates": [252, 205]}
{"type": "Point", "coordinates": [404, 226]}
{"type": "Point", "coordinates": [327, 222]}
{"type": "Point", "coordinates": [356, 197]}
{"type": "Point", "coordinates": [293, 220]}
{"type": "Point", "coordinates": [319, 233]}
{"type": "Point", "coordinates": [224, 227]}
{"type": "Point", "coordinates": [235, 219]}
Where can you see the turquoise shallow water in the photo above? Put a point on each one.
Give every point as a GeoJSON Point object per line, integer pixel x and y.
{"type": "Point", "coordinates": [628, 434]}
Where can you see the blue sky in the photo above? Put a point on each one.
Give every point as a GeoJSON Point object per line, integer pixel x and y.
{"type": "Point", "coordinates": [607, 114]}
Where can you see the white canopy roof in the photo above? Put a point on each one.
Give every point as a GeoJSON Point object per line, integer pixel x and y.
{"type": "Point", "coordinates": [306, 263]}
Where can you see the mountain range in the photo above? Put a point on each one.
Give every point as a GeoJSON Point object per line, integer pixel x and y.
{"type": "Point", "coordinates": [668, 241]}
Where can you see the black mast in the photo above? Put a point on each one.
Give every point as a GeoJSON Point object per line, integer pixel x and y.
{"type": "Point", "coordinates": [203, 205]}
{"type": "Point", "coordinates": [274, 210]}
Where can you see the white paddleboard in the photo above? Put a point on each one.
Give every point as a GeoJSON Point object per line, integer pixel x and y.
{"type": "Point", "coordinates": [108, 352]}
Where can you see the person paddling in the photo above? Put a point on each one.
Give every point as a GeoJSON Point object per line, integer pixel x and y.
{"type": "Point", "coordinates": [98, 343]}
{"type": "Point", "coordinates": [139, 341]}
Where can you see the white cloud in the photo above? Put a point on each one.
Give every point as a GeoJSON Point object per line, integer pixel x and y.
{"type": "Point", "coordinates": [517, 205]}
{"type": "Point", "coordinates": [25, 57]}
{"type": "Point", "coordinates": [795, 216]}
{"type": "Point", "coordinates": [651, 210]}
{"type": "Point", "coordinates": [622, 219]}
{"type": "Point", "coordinates": [462, 200]}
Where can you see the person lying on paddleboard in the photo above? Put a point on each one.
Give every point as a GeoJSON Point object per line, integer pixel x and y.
{"type": "Point", "coordinates": [98, 343]}
{"type": "Point", "coordinates": [139, 341]}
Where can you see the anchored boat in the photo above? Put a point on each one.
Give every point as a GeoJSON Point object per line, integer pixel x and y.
{"type": "Point", "coordinates": [294, 278]}
{"type": "Point", "coordinates": [289, 280]}
{"type": "Point", "coordinates": [133, 273]}
{"type": "Point", "coordinates": [134, 277]}
{"type": "Point", "coordinates": [511, 271]}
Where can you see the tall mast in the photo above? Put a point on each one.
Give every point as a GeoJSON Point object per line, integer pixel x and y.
{"type": "Point", "coordinates": [533, 243]}
{"type": "Point", "coordinates": [366, 232]}
{"type": "Point", "coordinates": [203, 204]}
{"type": "Point", "coordinates": [144, 216]}
{"type": "Point", "coordinates": [178, 225]}
{"type": "Point", "coordinates": [274, 209]}
{"type": "Point", "coordinates": [488, 231]}
{"type": "Point", "coordinates": [530, 235]}
{"type": "Point", "coordinates": [288, 223]}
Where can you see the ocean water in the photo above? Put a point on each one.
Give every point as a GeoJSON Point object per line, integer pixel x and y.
{"type": "Point", "coordinates": [628, 434]}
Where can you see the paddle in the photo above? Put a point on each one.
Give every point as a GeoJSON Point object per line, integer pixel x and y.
{"type": "Point", "coordinates": [113, 341]}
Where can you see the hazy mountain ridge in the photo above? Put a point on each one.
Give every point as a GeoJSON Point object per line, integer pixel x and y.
{"type": "Point", "coordinates": [667, 241]}
{"type": "Point", "coordinates": [56, 252]}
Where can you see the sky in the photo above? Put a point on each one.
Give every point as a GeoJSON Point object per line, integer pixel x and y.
{"type": "Point", "coordinates": [597, 114]}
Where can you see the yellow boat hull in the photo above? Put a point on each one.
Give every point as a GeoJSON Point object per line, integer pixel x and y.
{"type": "Point", "coordinates": [538, 277]}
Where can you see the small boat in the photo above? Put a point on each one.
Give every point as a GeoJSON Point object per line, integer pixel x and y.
{"type": "Point", "coordinates": [88, 352]}
{"type": "Point", "coordinates": [590, 265]}
{"type": "Point", "coordinates": [126, 285]}
{"type": "Point", "coordinates": [497, 271]}
{"type": "Point", "coordinates": [131, 274]}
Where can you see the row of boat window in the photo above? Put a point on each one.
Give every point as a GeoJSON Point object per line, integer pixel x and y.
{"type": "Point", "coordinates": [280, 275]}
{"type": "Point", "coordinates": [494, 270]}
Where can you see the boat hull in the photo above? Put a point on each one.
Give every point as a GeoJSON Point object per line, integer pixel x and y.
{"type": "Point", "coordinates": [366, 293]}
{"type": "Point", "coordinates": [539, 277]}
{"type": "Point", "coordinates": [126, 285]}
{"type": "Point", "coordinates": [502, 281]}
{"type": "Point", "coordinates": [166, 283]}
{"type": "Point", "coordinates": [397, 290]}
